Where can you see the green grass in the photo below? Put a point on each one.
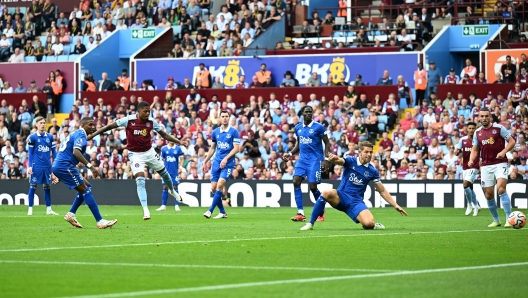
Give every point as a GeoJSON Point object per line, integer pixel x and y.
{"type": "Point", "coordinates": [188, 255]}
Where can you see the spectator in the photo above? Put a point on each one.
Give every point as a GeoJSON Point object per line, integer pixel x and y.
{"type": "Point", "coordinates": [57, 49]}
{"type": "Point", "coordinates": [33, 88]}
{"type": "Point", "coordinates": [314, 80]}
{"type": "Point", "coordinates": [288, 80]}
{"type": "Point", "coordinates": [7, 88]}
{"type": "Point", "coordinates": [406, 123]}
{"type": "Point", "coordinates": [16, 57]}
{"type": "Point", "coordinates": [20, 88]}
{"type": "Point", "coordinates": [385, 80]}
{"type": "Point", "coordinates": [218, 84]}
{"type": "Point", "coordinates": [105, 84]}
{"type": "Point", "coordinates": [39, 108]}
{"type": "Point", "coordinates": [79, 48]}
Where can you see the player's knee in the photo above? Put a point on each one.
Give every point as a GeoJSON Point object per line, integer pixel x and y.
{"type": "Point", "coordinates": [466, 184]}
{"type": "Point", "coordinates": [501, 190]}
{"type": "Point", "coordinates": [369, 224]}
{"type": "Point", "coordinates": [140, 181]}
{"type": "Point", "coordinates": [313, 187]}
{"type": "Point", "coordinates": [328, 194]}
{"type": "Point", "coordinates": [165, 187]}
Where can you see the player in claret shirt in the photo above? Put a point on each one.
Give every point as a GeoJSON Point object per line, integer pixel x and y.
{"type": "Point", "coordinates": [41, 145]}
{"type": "Point", "coordinates": [493, 141]}
{"type": "Point", "coordinates": [348, 198]}
{"type": "Point", "coordinates": [464, 146]}
{"type": "Point", "coordinates": [141, 153]}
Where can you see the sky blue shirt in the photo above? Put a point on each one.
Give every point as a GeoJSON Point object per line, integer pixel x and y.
{"type": "Point", "coordinates": [171, 156]}
{"type": "Point", "coordinates": [76, 140]}
{"type": "Point", "coordinates": [310, 138]}
{"type": "Point", "coordinates": [356, 177]}
{"type": "Point", "coordinates": [225, 141]}
{"type": "Point", "coordinates": [25, 118]}
{"type": "Point", "coordinates": [40, 146]}
{"type": "Point", "coordinates": [433, 76]}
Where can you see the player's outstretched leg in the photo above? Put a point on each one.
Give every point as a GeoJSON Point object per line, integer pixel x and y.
{"type": "Point", "coordinates": [168, 182]}
{"type": "Point", "coordinates": [316, 194]}
{"type": "Point", "coordinates": [366, 219]}
{"type": "Point", "coordinates": [164, 197]}
{"type": "Point", "coordinates": [70, 216]}
{"type": "Point", "coordinates": [298, 199]}
{"type": "Point", "coordinates": [492, 206]}
{"type": "Point", "coordinates": [506, 205]}
{"type": "Point", "coordinates": [31, 198]}
{"type": "Point", "coordinates": [90, 201]}
{"type": "Point", "coordinates": [329, 196]}
{"type": "Point", "coordinates": [142, 194]}
{"type": "Point", "coordinates": [469, 198]}
{"type": "Point", "coordinates": [47, 198]}
{"type": "Point", "coordinates": [176, 203]}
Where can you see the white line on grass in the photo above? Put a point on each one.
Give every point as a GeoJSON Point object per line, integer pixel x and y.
{"type": "Point", "coordinates": [140, 213]}
{"type": "Point", "coordinates": [192, 266]}
{"type": "Point", "coordinates": [207, 241]}
{"type": "Point", "coordinates": [297, 281]}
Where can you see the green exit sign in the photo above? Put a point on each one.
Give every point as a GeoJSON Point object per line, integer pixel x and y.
{"type": "Point", "coordinates": [143, 33]}
{"type": "Point", "coordinates": [475, 30]}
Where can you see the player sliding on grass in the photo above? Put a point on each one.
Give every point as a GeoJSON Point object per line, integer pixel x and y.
{"type": "Point", "coordinates": [470, 173]}
{"type": "Point", "coordinates": [64, 167]}
{"type": "Point", "coordinates": [170, 155]}
{"type": "Point", "coordinates": [493, 141]}
{"type": "Point", "coordinates": [39, 165]}
{"type": "Point", "coordinates": [310, 138]}
{"type": "Point", "coordinates": [139, 145]}
{"type": "Point", "coordinates": [348, 198]}
{"type": "Point", "coordinates": [226, 142]}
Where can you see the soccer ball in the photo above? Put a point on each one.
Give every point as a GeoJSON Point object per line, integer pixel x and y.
{"type": "Point", "coordinates": [517, 219]}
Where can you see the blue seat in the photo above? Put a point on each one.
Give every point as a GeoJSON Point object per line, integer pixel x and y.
{"type": "Point", "coordinates": [86, 40]}
{"type": "Point", "coordinates": [50, 59]}
{"type": "Point", "coordinates": [378, 33]}
{"type": "Point", "coordinates": [429, 162]}
{"type": "Point", "coordinates": [149, 21]}
{"type": "Point", "coordinates": [30, 59]}
{"type": "Point", "coordinates": [43, 40]}
{"type": "Point", "coordinates": [62, 58]}
{"type": "Point", "coordinates": [351, 34]}
{"type": "Point", "coordinates": [73, 40]}
{"type": "Point", "coordinates": [176, 30]}
{"type": "Point", "coordinates": [73, 57]}
{"type": "Point", "coordinates": [66, 50]}
{"type": "Point", "coordinates": [382, 122]}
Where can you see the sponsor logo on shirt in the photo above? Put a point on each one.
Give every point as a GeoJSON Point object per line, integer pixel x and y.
{"type": "Point", "coordinates": [223, 145]}
{"type": "Point", "coordinates": [489, 141]}
{"type": "Point", "coordinates": [305, 140]}
{"type": "Point", "coordinates": [170, 159]}
{"type": "Point", "coordinates": [355, 180]}
{"type": "Point", "coordinates": [41, 148]}
{"type": "Point", "coordinates": [140, 132]}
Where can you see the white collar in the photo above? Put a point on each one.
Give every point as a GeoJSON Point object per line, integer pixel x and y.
{"type": "Point", "coordinates": [41, 135]}
{"type": "Point", "coordinates": [359, 162]}
{"type": "Point", "coordinates": [221, 130]}
{"type": "Point", "coordinates": [309, 125]}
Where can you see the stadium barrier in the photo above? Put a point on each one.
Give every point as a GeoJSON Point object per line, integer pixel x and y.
{"type": "Point", "coordinates": [196, 193]}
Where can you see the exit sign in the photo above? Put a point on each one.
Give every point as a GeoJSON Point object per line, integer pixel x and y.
{"type": "Point", "coordinates": [143, 33]}
{"type": "Point", "coordinates": [475, 30]}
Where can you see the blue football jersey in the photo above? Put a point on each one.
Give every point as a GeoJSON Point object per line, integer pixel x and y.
{"type": "Point", "coordinates": [40, 147]}
{"type": "Point", "coordinates": [225, 141]}
{"type": "Point", "coordinates": [76, 140]}
{"type": "Point", "coordinates": [310, 138]}
{"type": "Point", "coordinates": [356, 177]}
{"type": "Point", "coordinates": [171, 156]}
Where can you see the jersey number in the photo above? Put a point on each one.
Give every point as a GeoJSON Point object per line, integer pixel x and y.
{"type": "Point", "coordinates": [64, 144]}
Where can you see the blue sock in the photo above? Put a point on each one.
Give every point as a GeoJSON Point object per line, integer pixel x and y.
{"type": "Point", "coordinates": [506, 204]}
{"type": "Point", "coordinates": [77, 203]}
{"type": "Point", "coordinates": [176, 201]}
{"type": "Point", "coordinates": [318, 209]}
{"type": "Point", "coordinates": [141, 191]}
{"type": "Point", "coordinates": [90, 201]}
{"type": "Point", "coordinates": [492, 206]}
{"type": "Point", "coordinates": [474, 198]}
{"type": "Point", "coordinates": [31, 195]}
{"type": "Point", "coordinates": [217, 202]}
{"type": "Point", "coordinates": [47, 196]}
{"type": "Point", "coordinates": [298, 199]}
{"type": "Point", "coordinates": [468, 195]}
{"type": "Point", "coordinates": [164, 197]}
{"type": "Point", "coordinates": [316, 194]}
{"type": "Point", "coordinates": [167, 179]}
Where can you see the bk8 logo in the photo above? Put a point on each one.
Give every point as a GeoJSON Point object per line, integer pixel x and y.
{"type": "Point", "coordinates": [229, 74]}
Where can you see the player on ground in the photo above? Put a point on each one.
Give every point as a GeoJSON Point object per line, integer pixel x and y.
{"type": "Point", "coordinates": [39, 165]}
{"type": "Point", "coordinates": [348, 198]}
{"type": "Point", "coordinates": [225, 142]}
{"type": "Point", "coordinates": [140, 149]}
{"type": "Point", "coordinates": [64, 167]}
{"type": "Point", "coordinates": [493, 141]}
{"type": "Point", "coordinates": [171, 155]}
{"type": "Point", "coordinates": [470, 173]}
{"type": "Point", "coordinates": [310, 138]}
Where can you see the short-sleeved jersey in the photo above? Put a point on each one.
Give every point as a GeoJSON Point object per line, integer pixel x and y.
{"type": "Point", "coordinates": [310, 138]}
{"type": "Point", "coordinates": [491, 141]}
{"type": "Point", "coordinates": [171, 156]}
{"type": "Point", "coordinates": [356, 177]}
{"type": "Point", "coordinates": [138, 132]}
{"type": "Point", "coordinates": [76, 140]}
{"type": "Point", "coordinates": [465, 144]}
{"type": "Point", "coordinates": [225, 141]}
{"type": "Point", "coordinates": [40, 147]}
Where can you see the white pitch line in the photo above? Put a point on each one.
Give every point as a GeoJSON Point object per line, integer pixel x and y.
{"type": "Point", "coordinates": [168, 213]}
{"type": "Point", "coordinates": [297, 281]}
{"type": "Point", "coordinates": [192, 266]}
{"type": "Point", "coordinates": [373, 233]}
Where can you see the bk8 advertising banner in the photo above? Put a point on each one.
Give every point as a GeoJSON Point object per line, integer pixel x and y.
{"type": "Point", "coordinates": [369, 66]}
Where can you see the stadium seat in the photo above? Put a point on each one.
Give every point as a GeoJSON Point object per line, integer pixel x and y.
{"type": "Point", "coordinates": [382, 122]}
{"type": "Point", "coordinates": [30, 59]}
{"type": "Point", "coordinates": [336, 34]}
{"type": "Point", "coordinates": [73, 40]}
{"type": "Point", "coordinates": [86, 40]}
{"type": "Point", "coordinates": [429, 162]}
{"type": "Point", "coordinates": [43, 40]}
{"type": "Point", "coordinates": [67, 49]}
{"type": "Point", "coordinates": [62, 58]}
{"type": "Point", "coordinates": [73, 57]}
{"type": "Point", "coordinates": [50, 59]}
{"type": "Point", "coordinates": [149, 20]}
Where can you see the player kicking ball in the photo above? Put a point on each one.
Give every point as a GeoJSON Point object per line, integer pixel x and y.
{"type": "Point", "coordinates": [310, 138]}
{"type": "Point", "coordinates": [225, 142]}
{"type": "Point", "coordinates": [469, 173]}
{"type": "Point", "coordinates": [65, 168]}
{"type": "Point", "coordinates": [348, 198]}
{"type": "Point", "coordinates": [141, 153]}
{"type": "Point", "coordinates": [41, 145]}
{"type": "Point", "coordinates": [170, 155]}
{"type": "Point", "coordinates": [493, 141]}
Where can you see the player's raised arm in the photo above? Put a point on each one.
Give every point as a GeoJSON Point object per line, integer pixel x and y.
{"type": "Point", "coordinates": [335, 159]}
{"type": "Point", "coordinates": [108, 127]}
{"type": "Point", "coordinates": [387, 197]}
{"type": "Point", "coordinates": [168, 137]}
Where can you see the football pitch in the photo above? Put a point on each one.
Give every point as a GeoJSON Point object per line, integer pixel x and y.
{"type": "Point", "coordinates": [259, 253]}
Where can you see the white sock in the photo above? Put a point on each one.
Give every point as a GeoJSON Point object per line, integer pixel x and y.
{"type": "Point", "coordinates": [30, 208]}
{"type": "Point", "coordinates": [300, 211]}
{"type": "Point", "coordinates": [162, 206]}
{"type": "Point", "coordinates": [146, 210]}
{"type": "Point", "coordinates": [48, 208]}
